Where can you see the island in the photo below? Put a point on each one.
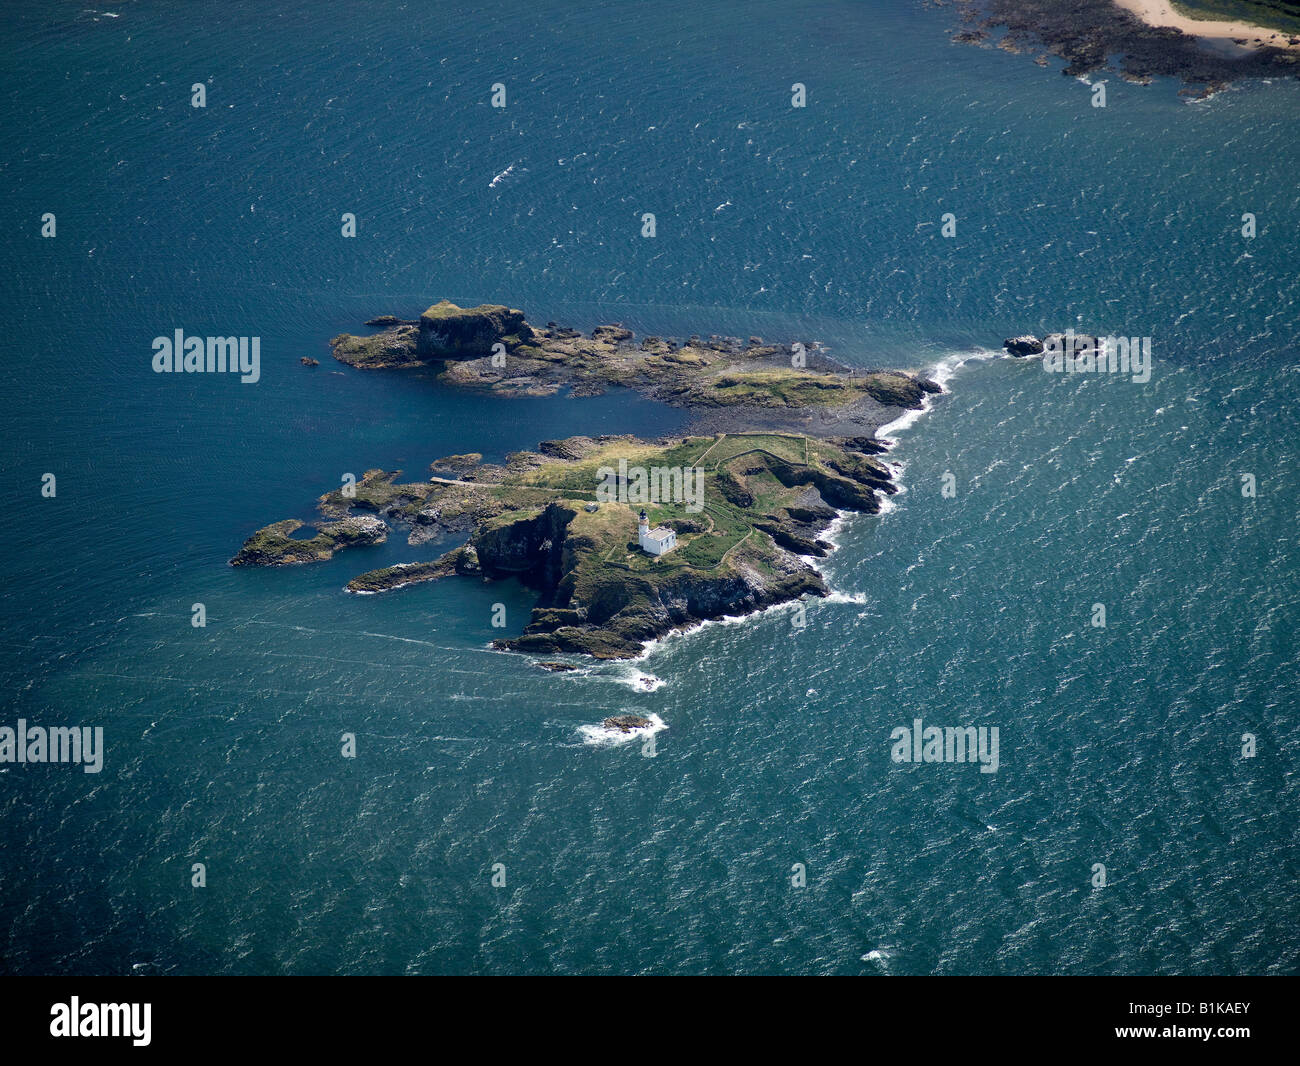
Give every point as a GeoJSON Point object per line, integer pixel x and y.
{"type": "Point", "coordinates": [734, 515]}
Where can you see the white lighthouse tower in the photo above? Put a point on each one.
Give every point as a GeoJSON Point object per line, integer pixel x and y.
{"type": "Point", "coordinates": [656, 541]}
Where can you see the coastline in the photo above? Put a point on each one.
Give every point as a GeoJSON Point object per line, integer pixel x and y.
{"type": "Point", "coordinates": [1161, 14]}
{"type": "Point", "coordinates": [1136, 39]}
{"type": "Point", "coordinates": [802, 452]}
{"type": "Point", "coordinates": [940, 372]}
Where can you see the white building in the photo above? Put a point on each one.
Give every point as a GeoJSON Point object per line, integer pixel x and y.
{"type": "Point", "coordinates": [656, 541]}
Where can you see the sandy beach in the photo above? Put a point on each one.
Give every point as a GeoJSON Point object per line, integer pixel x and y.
{"type": "Point", "coordinates": [1162, 13]}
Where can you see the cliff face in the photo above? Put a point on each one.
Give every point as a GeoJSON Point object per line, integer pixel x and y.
{"type": "Point", "coordinates": [532, 549]}
{"type": "Point", "coordinates": [621, 613]}
{"type": "Point", "coordinates": [450, 332]}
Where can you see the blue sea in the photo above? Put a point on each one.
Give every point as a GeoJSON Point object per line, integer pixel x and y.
{"type": "Point", "coordinates": [768, 831]}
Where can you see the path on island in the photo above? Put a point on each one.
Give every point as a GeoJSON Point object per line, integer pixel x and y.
{"type": "Point", "coordinates": [1162, 13]}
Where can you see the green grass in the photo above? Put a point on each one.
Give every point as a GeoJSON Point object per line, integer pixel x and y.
{"type": "Point", "coordinates": [783, 388]}
{"type": "Point", "coordinates": [1281, 15]}
{"type": "Point", "coordinates": [791, 447]}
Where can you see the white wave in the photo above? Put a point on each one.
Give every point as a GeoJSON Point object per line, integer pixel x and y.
{"type": "Point", "coordinates": [831, 535]}
{"type": "Point", "coordinates": [653, 645]}
{"type": "Point", "coordinates": [600, 735]}
{"type": "Point", "coordinates": [941, 373]}
{"type": "Point", "coordinates": [635, 679]}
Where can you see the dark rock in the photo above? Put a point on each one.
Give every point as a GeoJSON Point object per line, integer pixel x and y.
{"type": "Point", "coordinates": [866, 445]}
{"type": "Point", "coordinates": [1024, 345]}
{"type": "Point", "coordinates": [625, 723]}
{"type": "Point", "coordinates": [451, 332]}
{"type": "Point", "coordinates": [1090, 34]}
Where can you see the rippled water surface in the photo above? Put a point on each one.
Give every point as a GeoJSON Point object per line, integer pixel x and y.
{"type": "Point", "coordinates": [1118, 745]}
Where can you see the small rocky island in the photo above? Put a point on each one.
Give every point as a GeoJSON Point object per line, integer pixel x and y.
{"type": "Point", "coordinates": [787, 441]}
{"type": "Point", "coordinates": [627, 723]}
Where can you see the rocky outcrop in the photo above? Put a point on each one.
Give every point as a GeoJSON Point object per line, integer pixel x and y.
{"type": "Point", "coordinates": [626, 723]}
{"type": "Point", "coordinates": [749, 384]}
{"type": "Point", "coordinates": [450, 332]}
{"type": "Point", "coordinates": [896, 390]}
{"type": "Point", "coordinates": [356, 529]}
{"type": "Point", "coordinates": [840, 492]}
{"type": "Point", "coordinates": [396, 577]}
{"type": "Point", "coordinates": [395, 347]}
{"type": "Point", "coordinates": [1023, 345]}
{"type": "Point", "coordinates": [275, 545]}
{"type": "Point", "coordinates": [1072, 345]}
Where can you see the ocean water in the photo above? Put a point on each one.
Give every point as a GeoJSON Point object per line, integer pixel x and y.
{"type": "Point", "coordinates": [1119, 745]}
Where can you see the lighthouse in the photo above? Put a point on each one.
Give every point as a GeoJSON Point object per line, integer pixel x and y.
{"type": "Point", "coordinates": [656, 541]}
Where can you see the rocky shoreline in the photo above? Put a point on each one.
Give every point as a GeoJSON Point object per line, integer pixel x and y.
{"type": "Point", "coordinates": [730, 383]}
{"type": "Point", "coordinates": [1089, 34]}
{"type": "Point", "coordinates": [787, 442]}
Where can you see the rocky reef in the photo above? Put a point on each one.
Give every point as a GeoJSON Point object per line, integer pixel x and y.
{"type": "Point", "coordinates": [744, 384]}
{"type": "Point", "coordinates": [275, 544]}
{"type": "Point", "coordinates": [626, 723]}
